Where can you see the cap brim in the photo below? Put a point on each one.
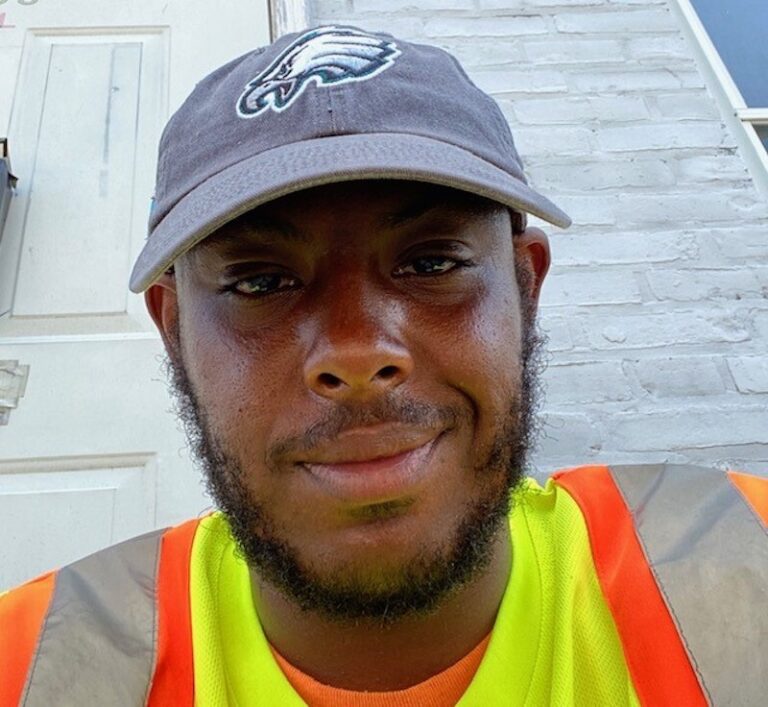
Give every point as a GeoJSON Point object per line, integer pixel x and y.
{"type": "Point", "coordinates": [309, 163]}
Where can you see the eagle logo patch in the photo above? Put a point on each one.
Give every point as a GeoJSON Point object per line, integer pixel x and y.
{"type": "Point", "coordinates": [324, 56]}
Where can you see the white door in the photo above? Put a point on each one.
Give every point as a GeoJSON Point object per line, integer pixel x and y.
{"type": "Point", "coordinates": [90, 452]}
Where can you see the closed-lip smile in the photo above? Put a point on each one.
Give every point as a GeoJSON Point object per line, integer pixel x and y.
{"type": "Point", "coordinates": [372, 464]}
{"type": "Point", "coordinates": [365, 444]}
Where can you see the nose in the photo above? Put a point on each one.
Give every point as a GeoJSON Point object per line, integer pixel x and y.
{"type": "Point", "coordinates": [356, 354]}
{"type": "Point", "coordinates": [356, 371]}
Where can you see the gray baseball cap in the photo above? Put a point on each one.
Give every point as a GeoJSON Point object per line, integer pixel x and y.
{"type": "Point", "coordinates": [331, 104]}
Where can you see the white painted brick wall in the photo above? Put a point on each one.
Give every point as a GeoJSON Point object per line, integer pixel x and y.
{"type": "Point", "coordinates": [596, 80]}
{"type": "Point", "coordinates": [572, 385]}
{"type": "Point", "coordinates": [564, 51]}
{"type": "Point", "coordinates": [677, 376]}
{"type": "Point", "coordinates": [686, 106]}
{"type": "Point", "coordinates": [505, 81]}
{"type": "Point", "coordinates": [479, 27]}
{"type": "Point", "coordinates": [750, 373]}
{"type": "Point", "coordinates": [706, 168]}
{"type": "Point", "coordinates": [656, 307]}
{"type": "Point", "coordinates": [607, 175]}
{"type": "Point", "coordinates": [689, 427]}
{"type": "Point", "coordinates": [582, 288]}
{"type": "Point", "coordinates": [700, 285]}
{"type": "Point", "coordinates": [660, 136]}
{"type": "Point", "coordinates": [650, 49]}
{"type": "Point", "coordinates": [546, 111]}
{"type": "Point", "coordinates": [616, 23]}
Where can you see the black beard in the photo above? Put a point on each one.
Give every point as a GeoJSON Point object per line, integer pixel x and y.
{"type": "Point", "coordinates": [428, 579]}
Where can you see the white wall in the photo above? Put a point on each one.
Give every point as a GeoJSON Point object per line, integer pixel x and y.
{"type": "Point", "coordinates": [657, 303]}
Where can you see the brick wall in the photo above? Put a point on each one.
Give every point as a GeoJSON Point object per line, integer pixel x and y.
{"type": "Point", "coordinates": [657, 302]}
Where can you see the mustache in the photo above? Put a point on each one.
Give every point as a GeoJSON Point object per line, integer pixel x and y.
{"type": "Point", "coordinates": [346, 416]}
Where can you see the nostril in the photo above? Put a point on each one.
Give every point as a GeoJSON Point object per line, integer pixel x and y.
{"type": "Point", "coordinates": [387, 372]}
{"type": "Point", "coordinates": [328, 380]}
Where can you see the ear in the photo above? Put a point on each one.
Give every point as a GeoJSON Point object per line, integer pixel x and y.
{"type": "Point", "coordinates": [163, 306]}
{"type": "Point", "coordinates": [532, 251]}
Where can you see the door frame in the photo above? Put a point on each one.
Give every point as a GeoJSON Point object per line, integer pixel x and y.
{"type": "Point", "coordinates": [287, 16]}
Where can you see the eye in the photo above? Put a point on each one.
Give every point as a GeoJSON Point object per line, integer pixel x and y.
{"type": "Point", "coordinates": [431, 265]}
{"type": "Point", "coordinates": [263, 284]}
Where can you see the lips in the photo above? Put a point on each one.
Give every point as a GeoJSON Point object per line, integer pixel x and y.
{"type": "Point", "coordinates": [367, 444]}
{"type": "Point", "coordinates": [372, 465]}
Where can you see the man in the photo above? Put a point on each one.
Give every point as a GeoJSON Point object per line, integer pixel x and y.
{"type": "Point", "coordinates": [340, 268]}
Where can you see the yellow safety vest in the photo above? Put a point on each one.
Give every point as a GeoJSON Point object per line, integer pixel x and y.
{"type": "Point", "coordinates": [630, 585]}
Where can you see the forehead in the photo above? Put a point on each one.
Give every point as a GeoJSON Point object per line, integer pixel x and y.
{"type": "Point", "coordinates": [382, 205]}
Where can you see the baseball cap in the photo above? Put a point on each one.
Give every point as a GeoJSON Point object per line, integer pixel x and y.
{"type": "Point", "coordinates": [331, 104]}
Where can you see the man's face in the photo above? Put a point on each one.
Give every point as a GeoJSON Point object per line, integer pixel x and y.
{"type": "Point", "coordinates": [349, 362]}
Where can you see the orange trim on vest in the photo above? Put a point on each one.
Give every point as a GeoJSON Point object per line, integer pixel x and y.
{"type": "Point", "coordinates": [174, 682]}
{"type": "Point", "coordinates": [657, 660]}
{"type": "Point", "coordinates": [755, 492]}
{"type": "Point", "coordinates": [24, 609]}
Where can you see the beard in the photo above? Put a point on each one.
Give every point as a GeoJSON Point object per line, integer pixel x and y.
{"type": "Point", "coordinates": [423, 582]}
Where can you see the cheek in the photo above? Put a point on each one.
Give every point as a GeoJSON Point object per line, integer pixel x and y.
{"type": "Point", "coordinates": [238, 376]}
{"type": "Point", "coordinates": [476, 346]}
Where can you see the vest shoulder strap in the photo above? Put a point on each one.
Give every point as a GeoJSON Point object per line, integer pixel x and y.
{"type": "Point", "coordinates": [755, 491]}
{"type": "Point", "coordinates": [98, 631]}
{"type": "Point", "coordinates": [173, 682]}
{"type": "Point", "coordinates": [22, 612]}
{"type": "Point", "coordinates": [683, 561]}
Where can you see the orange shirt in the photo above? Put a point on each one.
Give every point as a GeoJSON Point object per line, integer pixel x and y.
{"type": "Point", "coordinates": [441, 690]}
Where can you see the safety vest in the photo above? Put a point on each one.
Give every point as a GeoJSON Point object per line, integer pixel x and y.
{"type": "Point", "coordinates": [680, 552]}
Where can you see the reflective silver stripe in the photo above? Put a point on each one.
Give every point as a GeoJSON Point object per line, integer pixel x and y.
{"type": "Point", "coordinates": [709, 553]}
{"type": "Point", "coordinates": [98, 642]}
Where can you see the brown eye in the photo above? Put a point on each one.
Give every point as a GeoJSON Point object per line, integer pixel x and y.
{"type": "Point", "coordinates": [430, 265]}
{"type": "Point", "coordinates": [265, 284]}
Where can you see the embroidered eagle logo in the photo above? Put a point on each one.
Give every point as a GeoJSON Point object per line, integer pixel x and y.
{"type": "Point", "coordinates": [325, 56]}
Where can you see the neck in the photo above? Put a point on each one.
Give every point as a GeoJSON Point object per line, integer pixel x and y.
{"type": "Point", "coordinates": [366, 655]}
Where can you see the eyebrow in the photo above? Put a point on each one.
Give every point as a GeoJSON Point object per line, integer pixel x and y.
{"type": "Point", "coordinates": [454, 205]}
{"type": "Point", "coordinates": [257, 227]}
{"type": "Point", "coordinates": [254, 226]}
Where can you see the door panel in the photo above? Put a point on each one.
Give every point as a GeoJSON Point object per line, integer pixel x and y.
{"type": "Point", "coordinates": [81, 176]}
{"type": "Point", "coordinates": [92, 453]}
{"type": "Point", "coordinates": [97, 500]}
